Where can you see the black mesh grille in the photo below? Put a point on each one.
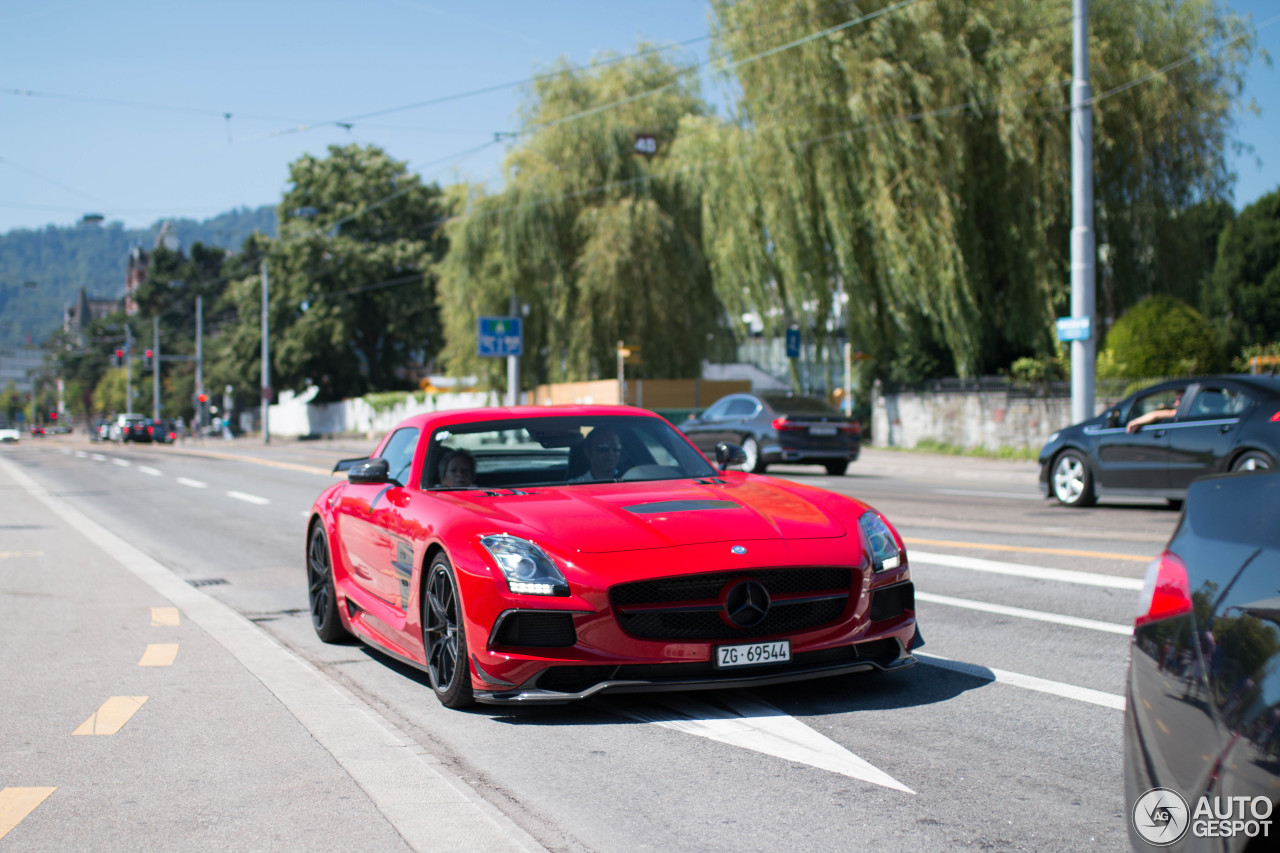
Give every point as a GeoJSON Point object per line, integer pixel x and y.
{"type": "Point", "coordinates": [892, 601]}
{"type": "Point", "coordinates": [705, 590]}
{"type": "Point", "coordinates": [541, 629]}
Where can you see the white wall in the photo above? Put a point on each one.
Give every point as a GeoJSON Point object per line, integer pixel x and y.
{"type": "Point", "coordinates": [294, 417]}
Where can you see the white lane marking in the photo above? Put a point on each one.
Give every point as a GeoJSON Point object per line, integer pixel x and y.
{"type": "Point", "coordinates": [147, 469]}
{"type": "Point", "coordinates": [80, 454]}
{"type": "Point", "coordinates": [430, 810]}
{"type": "Point", "coordinates": [123, 463]}
{"type": "Point", "coordinates": [974, 493]}
{"type": "Point", "coordinates": [753, 724]}
{"type": "Point", "coordinates": [253, 499]}
{"type": "Point", "coordinates": [98, 457]}
{"type": "Point", "coordinates": [1027, 682]}
{"type": "Point", "coordinates": [195, 484]}
{"type": "Point", "coordinates": [1022, 570]}
{"type": "Point", "coordinates": [1038, 615]}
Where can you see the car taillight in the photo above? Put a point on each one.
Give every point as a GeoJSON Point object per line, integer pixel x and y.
{"type": "Point", "coordinates": [172, 436]}
{"type": "Point", "coordinates": [1275, 419]}
{"type": "Point", "coordinates": [1166, 592]}
{"type": "Point", "coordinates": [852, 428]}
{"type": "Point", "coordinates": [782, 424]}
{"type": "Point", "coordinates": [151, 430]}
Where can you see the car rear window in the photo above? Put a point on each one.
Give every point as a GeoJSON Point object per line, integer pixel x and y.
{"type": "Point", "coordinates": [788, 404]}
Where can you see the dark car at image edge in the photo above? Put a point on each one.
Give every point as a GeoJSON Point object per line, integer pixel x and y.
{"type": "Point", "coordinates": [1222, 424]}
{"type": "Point", "coordinates": [1202, 705]}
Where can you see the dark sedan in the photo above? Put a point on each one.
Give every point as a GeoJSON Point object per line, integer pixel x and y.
{"type": "Point", "coordinates": [1202, 711]}
{"type": "Point", "coordinates": [1207, 425]}
{"type": "Point", "coordinates": [778, 427]}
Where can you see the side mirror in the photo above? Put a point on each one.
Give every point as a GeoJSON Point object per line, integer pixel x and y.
{"type": "Point", "coordinates": [345, 464]}
{"type": "Point", "coordinates": [369, 471]}
{"type": "Point", "coordinates": [1113, 419]}
{"type": "Point", "coordinates": [729, 454]}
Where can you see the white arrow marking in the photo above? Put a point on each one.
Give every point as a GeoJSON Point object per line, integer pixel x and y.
{"type": "Point", "coordinates": [750, 723]}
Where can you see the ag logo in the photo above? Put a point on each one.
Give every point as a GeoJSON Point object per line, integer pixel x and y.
{"type": "Point", "coordinates": [1161, 816]}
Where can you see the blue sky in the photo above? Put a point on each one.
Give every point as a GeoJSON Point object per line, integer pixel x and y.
{"type": "Point", "coordinates": [129, 115]}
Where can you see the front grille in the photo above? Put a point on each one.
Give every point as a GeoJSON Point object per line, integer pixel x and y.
{"type": "Point", "coordinates": [800, 599]}
{"type": "Point", "coordinates": [537, 628]}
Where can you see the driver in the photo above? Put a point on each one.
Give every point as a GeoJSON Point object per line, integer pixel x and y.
{"type": "Point", "coordinates": [604, 455]}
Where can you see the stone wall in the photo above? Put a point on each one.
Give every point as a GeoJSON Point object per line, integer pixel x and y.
{"type": "Point", "coordinates": [990, 420]}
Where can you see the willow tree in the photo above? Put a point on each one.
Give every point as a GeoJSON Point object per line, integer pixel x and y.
{"type": "Point", "coordinates": [598, 241]}
{"type": "Point", "coordinates": [914, 159]}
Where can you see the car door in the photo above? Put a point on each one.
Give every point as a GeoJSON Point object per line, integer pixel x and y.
{"type": "Point", "coordinates": [1205, 435]}
{"type": "Point", "coordinates": [1137, 460]}
{"type": "Point", "coordinates": [365, 517]}
{"type": "Point", "coordinates": [702, 430]}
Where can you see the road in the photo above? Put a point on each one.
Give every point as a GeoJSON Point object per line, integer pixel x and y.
{"type": "Point", "coordinates": [1006, 736]}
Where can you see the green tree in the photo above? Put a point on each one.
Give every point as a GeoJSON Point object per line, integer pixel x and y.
{"type": "Point", "coordinates": [352, 291]}
{"type": "Point", "coordinates": [1160, 336]}
{"type": "Point", "coordinates": [600, 243]}
{"type": "Point", "coordinates": [918, 164]}
{"type": "Point", "coordinates": [1243, 292]}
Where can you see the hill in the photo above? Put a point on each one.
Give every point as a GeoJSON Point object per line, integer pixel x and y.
{"type": "Point", "coordinates": [42, 271]}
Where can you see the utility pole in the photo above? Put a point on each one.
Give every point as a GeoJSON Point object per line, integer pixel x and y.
{"type": "Point", "coordinates": [199, 363]}
{"type": "Point", "coordinates": [128, 369]}
{"type": "Point", "coordinates": [1083, 351]}
{"type": "Point", "coordinates": [266, 362]}
{"type": "Point", "coordinates": [513, 366]}
{"type": "Point", "coordinates": [155, 368]}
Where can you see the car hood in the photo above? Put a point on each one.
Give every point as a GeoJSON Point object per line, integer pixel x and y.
{"type": "Point", "coordinates": [626, 517]}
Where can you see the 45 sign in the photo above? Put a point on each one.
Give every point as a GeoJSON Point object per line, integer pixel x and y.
{"type": "Point", "coordinates": [499, 336]}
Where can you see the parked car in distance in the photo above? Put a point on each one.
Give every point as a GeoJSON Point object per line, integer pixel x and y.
{"type": "Point", "coordinates": [530, 555]}
{"type": "Point", "coordinates": [1202, 708]}
{"type": "Point", "coordinates": [162, 431]}
{"type": "Point", "coordinates": [100, 431]}
{"type": "Point", "coordinates": [10, 434]}
{"type": "Point", "coordinates": [129, 427]}
{"type": "Point", "coordinates": [1219, 424]}
{"type": "Point", "coordinates": [776, 426]}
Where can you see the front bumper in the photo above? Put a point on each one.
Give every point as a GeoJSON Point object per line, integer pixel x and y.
{"type": "Point", "coordinates": [886, 655]}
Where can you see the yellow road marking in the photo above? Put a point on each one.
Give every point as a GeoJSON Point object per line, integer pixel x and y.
{"type": "Point", "coordinates": [1162, 726]}
{"type": "Point", "coordinates": [17, 803]}
{"type": "Point", "coordinates": [7, 554]}
{"type": "Point", "coordinates": [166, 616]}
{"type": "Point", "coordinates": [112, 716]}
{"type": "Point", "coordinates": [159, 654]}
{"type": "Point", "coordinates": [1066, 552]}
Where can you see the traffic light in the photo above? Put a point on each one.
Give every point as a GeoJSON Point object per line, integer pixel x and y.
{"type": "Point", "coordinates": [204, 398]}
{"type": "Point", "coordinates": [118, 358]}
{"type": "Point", "coordinates": [148, 362]}
{"type": "Point", "coordinates": [53, 416]}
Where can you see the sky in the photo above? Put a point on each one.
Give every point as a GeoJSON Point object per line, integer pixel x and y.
{"type": "Point", "coordinates": [121, 108]}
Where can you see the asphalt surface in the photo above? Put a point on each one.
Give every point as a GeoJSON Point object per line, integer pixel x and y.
{"type": "Point", "coordinates": [1006, 736]}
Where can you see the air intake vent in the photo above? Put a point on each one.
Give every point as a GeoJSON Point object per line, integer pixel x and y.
{"type": "Point", "coordinates": [544, 629]}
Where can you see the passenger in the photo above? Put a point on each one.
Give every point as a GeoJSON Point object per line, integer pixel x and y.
{"type": "Point", "coordinates": [458, 469]}
{"type": "Point", "coordinates": [604, 455]}
{"type": "Point", "coordinates": [1155, 415]}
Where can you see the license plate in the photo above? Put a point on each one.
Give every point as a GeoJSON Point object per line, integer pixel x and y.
{"type": "Point", "coordinates": [752, 654]}
{"type": "Point", "coordinates": [822, 430]}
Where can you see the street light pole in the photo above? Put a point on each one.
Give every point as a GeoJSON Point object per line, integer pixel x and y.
{"type": "Point", "coordinates": [1083, 352]}
{"type": "Point", "coordinates": [199, 363]}
{"type": "Point", "coordinates": [266, 361]}
{"type": "Point", "coordinates": [155, 368]}
{"type": "Point", "coordinates": [128, 369]}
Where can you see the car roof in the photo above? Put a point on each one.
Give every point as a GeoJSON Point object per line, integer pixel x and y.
{"type": "Point", "coordinates": [434, 420]}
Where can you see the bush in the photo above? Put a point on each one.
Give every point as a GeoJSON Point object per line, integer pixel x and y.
{"type": "Point", "coordinates": [1160, 336]}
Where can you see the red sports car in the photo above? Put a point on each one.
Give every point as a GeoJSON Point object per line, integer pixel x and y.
{"type": "Point", "coordinates": [544, 554]}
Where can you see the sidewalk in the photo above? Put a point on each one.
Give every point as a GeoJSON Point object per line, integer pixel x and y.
{"type": "Point", "coordinates": [141, 714]}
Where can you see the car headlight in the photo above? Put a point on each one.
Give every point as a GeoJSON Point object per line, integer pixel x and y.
{"type": "Point", "coordinates": [527, 568]}
{"type": "Point", "coordinates": [884, 548]}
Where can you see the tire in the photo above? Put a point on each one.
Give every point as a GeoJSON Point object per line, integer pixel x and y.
{"type": "Point", "coordinates": [444, 639]}
{"type": "Point", "coordinates": [1072, 481]}
{"type": "Point", "coordinates": [1174, 503]}
{"type": "Point", "coordinates": [1254, 460]}
{"type": "Point", "coordinates": [320, 590]}
{"type": "Point", "coordinates": [837, 467]}
{"type": "Point", "coordinates": [754, 463]}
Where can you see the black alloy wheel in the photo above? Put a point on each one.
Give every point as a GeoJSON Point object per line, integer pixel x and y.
{"type": "Point", "coordinates": [320, 589]}
{"type": "Point", "coordinates": [1254, 460]}
{"type": "Point", "coordinates": [444, 640]}
{"type": "Point", "coordinates": [1072, 481]}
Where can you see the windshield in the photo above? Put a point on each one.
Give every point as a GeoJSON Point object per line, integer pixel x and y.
{"type": "Point", "coordinates": [559, 451]}
{"type": "Point", "coordinates": [788, 404]}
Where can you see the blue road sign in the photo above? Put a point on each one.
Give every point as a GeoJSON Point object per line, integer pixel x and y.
{"type": "Point", "coordinates": [793, 343]}
{"type": "Point", "coordinates": [499, 337]}
{"type": "Point", "coordinates": [1074, 329]}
